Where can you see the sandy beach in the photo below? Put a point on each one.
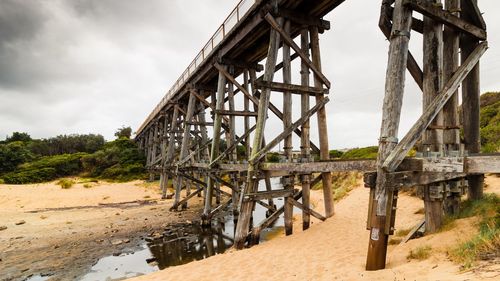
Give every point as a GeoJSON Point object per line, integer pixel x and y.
{"type": "Point", "coordinates": [336, 250]}
{"type": "Point", "coordinates": [65, 231]}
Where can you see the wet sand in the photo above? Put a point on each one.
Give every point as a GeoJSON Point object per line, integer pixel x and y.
{"type": "Point", "coordinates": [65, 231]}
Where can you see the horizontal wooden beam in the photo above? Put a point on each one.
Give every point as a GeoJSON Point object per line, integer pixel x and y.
{"type": "Point", "coordinates": [411, 179]}
{"type": "Point", "coordinates": [438, 14]}
{"type": "Point", "coordinates": [236, 112]}
{"type": "Point", "coordinates": [316, 167]}
{"type": "Point", "coordinates": [477, 17]}
{"type": "Point", "coordinates": [482, 164]}
{"type": "Point", "coordinates": [304, 20]}
{"type": "Point", "coordinates": [261, 195]}
{"type": "Point", "coordinates": [241, 64]}
{"type": "Point", "coordinates": [294, 89]}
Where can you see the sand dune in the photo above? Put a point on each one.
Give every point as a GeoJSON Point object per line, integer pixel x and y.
{"type": "Point", "coordinates": [335, 250]}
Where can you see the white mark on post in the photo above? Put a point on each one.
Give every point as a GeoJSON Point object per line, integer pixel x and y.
{"type": "Point", "coordinates": [374, 234]}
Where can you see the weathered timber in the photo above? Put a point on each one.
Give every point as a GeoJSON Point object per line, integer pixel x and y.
{"type": "Point", "coordinates": [236, 113]}
{"type": "Point", "coordinates": [381, 198]}
{"type": "Point", "coordinates": [261, 153]}
{"type": "Point", "coordinates": [445, 17]}
{"type": "Point", "coordinates": [268, 194]}
{"type": "Point", "coordinates": [307, 210]}
{"type": "Point", "coordinates": [470, 104]}
{"type": "Point", "coordinates": [482, 164]}
{"type": "Point", "coordinates": [304, 140]}
{"type": "Point", "coordinates": [272, 21]}
{"type": "Point", "coordinates": [214, 151]}
{"type": "Point", "coordinates": [251, 184]}
{"type": "Point", "coordinates": [432, 110]}
{"type": "Point", "coordinates": [294, 89]}
{"type": "Point", "coordinates": [432, 139]}
{"type": "Point", "coordinates": [324, 153]}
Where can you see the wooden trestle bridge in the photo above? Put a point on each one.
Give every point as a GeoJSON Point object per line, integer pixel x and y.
{"type": "Point", "coordinates": [270, 48]}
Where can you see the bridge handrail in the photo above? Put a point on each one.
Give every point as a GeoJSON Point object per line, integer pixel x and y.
{"type": "Point", "coordinates": [234, 17]}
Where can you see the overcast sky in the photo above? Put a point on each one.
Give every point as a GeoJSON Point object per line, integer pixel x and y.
{"type": "Point", "coordinates": [91, 66]}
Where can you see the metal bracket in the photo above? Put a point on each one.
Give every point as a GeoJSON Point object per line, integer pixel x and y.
{"type": "Point", "coordinates": [400, 33]}
{"type": "Point", "coordinates": [388, 140]}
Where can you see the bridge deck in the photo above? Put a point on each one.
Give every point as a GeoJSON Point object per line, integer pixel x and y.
{"type": "Point", "coordinates": [243, 37]}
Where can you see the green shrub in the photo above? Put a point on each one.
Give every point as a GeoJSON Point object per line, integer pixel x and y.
{"type": "Point", "coordinates": [66, 183]}
{"type": "Point", "coordinates": [119, 160]}
{"type": "Point", "coordinates": [487, 241]}
{"type": "Point", "coordinates": [335, 153]}
{"type": "Point", "coordinates": [46, 169]}
{"type": "Point", "coordinates": [12, 155]}
{"type": "Point", "coordinates": [31, 176]}
{"type": "Point", "coordinates": [369, 152]}
{"type": "Point", "coordinates": [420, 253]}
{"type": "Point", "coordinates": [2, 181]}
{"type": "Point", "coordinates": [273, 157]}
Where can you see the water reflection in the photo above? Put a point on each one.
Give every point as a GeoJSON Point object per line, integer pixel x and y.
{"type": "Point", "coordinates": [183, 243]}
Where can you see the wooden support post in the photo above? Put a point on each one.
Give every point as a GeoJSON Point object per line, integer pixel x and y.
{"type": "Point", "coordinates": [287, 122]}
{"type": "Point", "coordinates": [231, 143]}
{"type": "Point", "coordinates": [394, 88]}
{"type": "Point", "coordinates": [322, 124]}
{"type": "Point", "coordinates": [451, 134]}
{"type": "Point", "coordinates": [163, 174]}
{"type": "Point", "coordinates": [242, 228]}
{"type": "Point", "coordinates": [432, 138]}
{"type": "Point", "coordinates": [184, 149]}
{"type": "Point", "coordinates": [470, 106]}
{"type": "Point", "coordinates": [451, 137]}
{"type": "Point", "coordinates": [246, 104]}
{"type": "Point", "coordinates": [154, 150]}
{"type": "Point", "coordinates": [214, 151]}
{"type": "Point", "coordinates": [304, 140]}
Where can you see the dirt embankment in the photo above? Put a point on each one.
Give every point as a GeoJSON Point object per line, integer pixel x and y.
{"type": "Point", "coordinates": [64, 231]}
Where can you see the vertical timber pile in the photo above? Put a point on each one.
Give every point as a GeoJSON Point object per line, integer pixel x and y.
{"type": "Point", "coordinates": [252, 182]}
{"type": "Point", "coordinates": [324, 153]}
{"type": "Point", "coordinates": [304, 140]}
{"type": "Point", "coordinates": [433, 137]}
{"type": "Point", "coordinates": [383, 196]}
{"type": "Point", "coordinates": [437, 126]}
{"type": "Point", "coordinates": [470, 99]}
{"type": "Point", "coordinates": [451, 125]}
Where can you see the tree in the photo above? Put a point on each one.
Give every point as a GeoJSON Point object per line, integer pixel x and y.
{"type": "Point", "coordinates": [123, 132]}
{"type": "Point", "coordinates": [18, 136]}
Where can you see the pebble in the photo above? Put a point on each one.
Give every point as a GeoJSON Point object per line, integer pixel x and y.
{"type": "Point", "coordinates": [3, 227]}
{"type": "Point", "coordinates": [20, 222]}
{"type": "Point", "coordinates": [118, 242]}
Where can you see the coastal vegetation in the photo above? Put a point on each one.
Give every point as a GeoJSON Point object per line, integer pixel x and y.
{"type": "Point", "coordinates": [25, 160]}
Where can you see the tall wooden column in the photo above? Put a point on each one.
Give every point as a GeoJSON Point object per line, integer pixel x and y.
{"type": "Point", "coordinates": [305, 143]}
{"type": "Point", "coordinates": [383, 196]}
{"type": "Point", "coordinates": [433, 137]}
{"type": "Point", "coordinates": [242, 227]}
{"type": "Point", "coordinates": [324, 153]}
{"type": "Point", "coordinates": [287, 122]}
{"type": "Point", "coordinates": [214, 151]}
{"type": "Point", "coordinates": [184, 148]}
{"type": "Point", "coordinates": [470, 106]}
{"type": "Point", "coordinates": [451, 135]}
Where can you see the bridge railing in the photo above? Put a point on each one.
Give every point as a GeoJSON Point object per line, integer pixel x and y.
{"type": "Point", "coordinates": [243, 7]}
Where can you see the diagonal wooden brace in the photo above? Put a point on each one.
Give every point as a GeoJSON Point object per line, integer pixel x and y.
{"type": "Point", "coordinates": [289, 41]}
{"type": "Point", "coordinates": [288, 131]}
{"type": "Point", "coordinates": [401, 150]}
